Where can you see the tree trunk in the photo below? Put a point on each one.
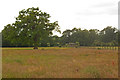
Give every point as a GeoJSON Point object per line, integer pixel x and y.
{"type": "Point", "coordinates": [35, 40]}
{"type": "Point", "coordinates": [35, 47]}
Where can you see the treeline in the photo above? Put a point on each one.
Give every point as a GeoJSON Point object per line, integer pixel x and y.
{"type": "Point", "coordinates": [93, 37]}
{"type": "Point", "coordinates": [32, 27]}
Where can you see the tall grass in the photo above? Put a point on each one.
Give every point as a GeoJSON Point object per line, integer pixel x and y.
{"type": "Point", "coordinates": [93, 71]}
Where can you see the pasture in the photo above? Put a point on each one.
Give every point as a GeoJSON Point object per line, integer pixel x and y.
{"type": "Point", "coordinates": [54, 62]}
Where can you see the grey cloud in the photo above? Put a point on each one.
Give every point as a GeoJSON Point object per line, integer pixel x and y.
{"type": "Point", "coordinates": [108, 4]}
{"type": "Point", "coordinates": [108, 12]}
{"type": "Point", "coordinates": [87, 13]}
{"type": "Point", "coordinates": [111, 10]}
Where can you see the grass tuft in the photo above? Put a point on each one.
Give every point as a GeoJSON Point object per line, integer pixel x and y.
{"type": "Point", "coordinates": [93, 71]}
{"type": "Point", "coordinates": [18, 61]}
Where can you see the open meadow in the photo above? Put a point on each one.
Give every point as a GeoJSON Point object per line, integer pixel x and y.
{"type": "Point", "coordinates": [55, 62]}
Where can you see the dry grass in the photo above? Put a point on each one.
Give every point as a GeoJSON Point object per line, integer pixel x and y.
{"type": "Point", "coordinates": [60, 63]}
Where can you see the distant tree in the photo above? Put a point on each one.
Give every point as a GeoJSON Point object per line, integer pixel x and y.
{"type": "Point", "coordinates": [77, 44]}
{"type": "Point", "coordinates": [108, 34]}
{"type": "Point", "coordinates": [93, 35]}
{"type": "Point", "coordinates": [96, 43]}
{"type": "Point", "coordinates": [74, 30]}
{"type": "Point", "coordinates": [9, 36]}
{"type": "Point", "coordinates": [48, 44]}
{"type": "Point", "coordinates": [54, 40]}
{"type": "Point", "coordinates": [66, 36]}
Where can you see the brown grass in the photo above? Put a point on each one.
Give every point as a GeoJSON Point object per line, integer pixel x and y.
{"type": "Point", "coordinates": [60, 63]}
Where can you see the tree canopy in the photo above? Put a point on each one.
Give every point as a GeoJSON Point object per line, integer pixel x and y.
{"type": "Point", "coordinates": [93, 37]}
{"type": "Point", "coordinates": [31, 27]}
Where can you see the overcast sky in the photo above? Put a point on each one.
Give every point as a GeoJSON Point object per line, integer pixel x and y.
{"type": "Point", "coordinates": [84, 14]}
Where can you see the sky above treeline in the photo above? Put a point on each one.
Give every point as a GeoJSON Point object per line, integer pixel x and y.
{"type": "Point", "coordinates": [84, 14]}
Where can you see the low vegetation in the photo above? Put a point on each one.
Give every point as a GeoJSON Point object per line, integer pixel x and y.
{"type": "Point", "coordinates": [59, 63]}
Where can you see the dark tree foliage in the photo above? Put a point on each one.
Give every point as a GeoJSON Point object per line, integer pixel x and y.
{"type": "Point", "coordinates": [31, 27]}
{"type": "Point", "coordinates": [93, 37]}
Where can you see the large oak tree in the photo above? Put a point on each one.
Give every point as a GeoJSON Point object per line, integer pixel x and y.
{"type": "Point", "coordinates": [31, 26]}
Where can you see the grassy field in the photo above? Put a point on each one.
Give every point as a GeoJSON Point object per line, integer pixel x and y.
{"type": "Point", "coordinates": [59, 63]}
